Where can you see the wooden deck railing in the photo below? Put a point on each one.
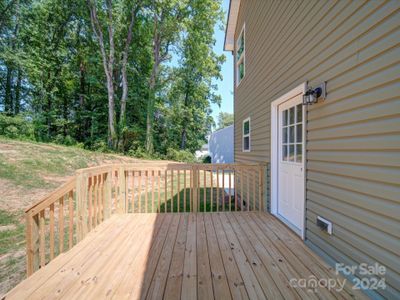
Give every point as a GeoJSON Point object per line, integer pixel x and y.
{"type": "Point", "coordinates": [62, 219]}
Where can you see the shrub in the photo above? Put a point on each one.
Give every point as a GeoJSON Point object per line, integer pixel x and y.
{"type": "Point", "coordinates": [140, 152]}
{"type": "Point", "coordinates": [16, 127]}
{"type": "Point", "coordinates": [180, 155]}
{"type": "Point", "coordinates": [206, 159]}
{"type": "Point", "coordinates": [100, 146]}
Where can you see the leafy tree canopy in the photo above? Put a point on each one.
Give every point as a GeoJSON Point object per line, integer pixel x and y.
{"type": "Point", "coordinates": [131, 76]}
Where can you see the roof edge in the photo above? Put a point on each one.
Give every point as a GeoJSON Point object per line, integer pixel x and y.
{"type": "Point", "coordinates": [233, 12]}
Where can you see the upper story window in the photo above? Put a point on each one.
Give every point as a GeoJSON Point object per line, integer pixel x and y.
{"type": "Point", "coordinates": [240, 56]}
{"type": "Point", "coordinates": [246, 135]}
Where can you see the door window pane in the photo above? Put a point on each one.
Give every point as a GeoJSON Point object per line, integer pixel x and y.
{"type": "Point", "coordinates": [291, 152]}
{"type": "Point", "coordinates": [299, 113]}
{"type": "Point", "coordinates": [285, 117]}
{"type": "Point", "coordinates": [284, 135]}
{"type": "Point", "coordinates": [291, 115]}
{"type": "Point", "coordinates": [284, 152]}
{"type": "Point", "coordinates": [291, 134]}
{"type": "Point", "coordinates": [299, 133]}
{"type": "Point", "coordinates": [299, 153]}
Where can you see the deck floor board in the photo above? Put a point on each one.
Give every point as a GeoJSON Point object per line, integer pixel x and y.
{"type": "Point", "coordinates": [226, 255]}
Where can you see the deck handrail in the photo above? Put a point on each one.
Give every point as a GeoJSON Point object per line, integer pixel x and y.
{"type": "Point", "coordinates": [64, 217]}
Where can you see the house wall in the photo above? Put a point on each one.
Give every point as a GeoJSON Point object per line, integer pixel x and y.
{"type": "Point", "coordinates": [353, 137]}
{"type": "Point", "coordinates": [220, 146]}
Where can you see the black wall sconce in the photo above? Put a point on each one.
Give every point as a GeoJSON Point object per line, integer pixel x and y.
{"type": "Point", "coordinates": [312, 96]}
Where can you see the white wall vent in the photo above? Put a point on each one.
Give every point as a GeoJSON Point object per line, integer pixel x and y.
{"type": "Point", "coordinates": [324, 224]}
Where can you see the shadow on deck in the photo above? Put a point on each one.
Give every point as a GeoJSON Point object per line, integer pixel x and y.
{"type": "Point", "coordinates": [226, 255]}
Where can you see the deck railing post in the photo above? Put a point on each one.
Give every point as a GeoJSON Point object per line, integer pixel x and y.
{"type": "Point", "coordinates": [32, 243]}
{"type": "Point", "coordinates": [107, 194]}
{"type": "Point", "coordinates": [195, 171]}
{"type": "Point", "coordinates": [81, 199]}
{"type": "Point", "coordinates": [122, 207]}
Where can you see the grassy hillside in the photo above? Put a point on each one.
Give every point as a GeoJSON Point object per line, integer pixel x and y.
{"type": "Point", "coordinates": [28, 171]}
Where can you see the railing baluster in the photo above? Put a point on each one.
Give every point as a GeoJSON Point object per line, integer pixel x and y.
{"type": "Point", "coordinates": [165, 190]}
{"type": "Point", "coordinates": [51, 231]}
{"type": "Point", "coordinates": [71, 219]}
{"type": "Point", "coordinates": [204, 191]}
{"type": "Point", "coordinates": [133, 191]}
{"type": "Point", "coordinates": [95, 200]}
{"type": "Point", "coordinates": [122, 190]}
{"type": "Point", "coordinates": [260, 188]}
{"type": "Point", "coordinates": [172, 190]}
{"type": "Point", "coordinates": [159, 191]}
{"type": "Point", "coordinates": [212, 189]}
{"type": "Point", "coordinates": [179, 189]}
{"type": "Point", "coordinates": [198, 190]}
{"type": "Point", "coordinates": [254, 189]}
{"type": "Point", "coordinates": [248, 190]}
{"type": "Point", "coordinates": [241, 190]}
{"type": "Point", "coordinates": [230, 191]}
{"type": "Point", "coordinates": [184, 190]}
{"type": "Point", "coordinates": [152, 191]}
{"type": "Point", "coordinates": [61, 224]}
{"type": "Point", "coordinates": [42, 239]}
{"type": "Point", "coordinates": [147, 190]}
{"type": "Point", "coordinates": [217, 190]}
{"type": "Point", "coordinates": [236, 184]}
{"type": "Point", "coordinates": [223, 190]}
{"type": "Point", "coordinates": [140, 192]}
{"type": "Point", "coordinates": [90, 196]}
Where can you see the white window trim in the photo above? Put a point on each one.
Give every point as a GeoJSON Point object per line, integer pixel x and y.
{"type": "Point", "coordinates": [246, 135]}
{"type": "Point", "coordinates": [242, 57]}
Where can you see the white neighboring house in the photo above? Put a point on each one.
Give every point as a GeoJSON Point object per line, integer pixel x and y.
{"type": "Point", "coordinates": [220, 146]}
{"type": "Point", "coordinates": [202, 152]}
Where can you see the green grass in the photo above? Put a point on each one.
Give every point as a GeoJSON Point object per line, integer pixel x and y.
{"type": "Point", "coordinates": [11, 239]}
{"type": "Point", "coordinates": [31, 165]}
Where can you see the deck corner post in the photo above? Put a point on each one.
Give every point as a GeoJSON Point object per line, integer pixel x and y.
{"type": "Point", "coordinates": [108, 195]}
{"type": "Point", "coordinates": [122, 207]}
{"type": "Point", "coordinates": [32, 243]}
{"type": "Point", "coordinates": [81, 199]}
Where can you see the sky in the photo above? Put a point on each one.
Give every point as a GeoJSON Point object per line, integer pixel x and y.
{"type": "Point", "coordinates": [225, 87]}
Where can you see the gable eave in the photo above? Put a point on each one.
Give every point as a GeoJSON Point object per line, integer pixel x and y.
{"type": "Point", "coordinates": [233, 13]}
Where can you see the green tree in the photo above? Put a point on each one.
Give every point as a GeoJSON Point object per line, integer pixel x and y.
{"type": "Point", "coordinates": [194, 86]}
{"type": "Point", "coordinates": [168, 18]}
{"type": "Point", "coordinates": [105, 25]}
{"type": "Point", "coordinates": [224, 120]}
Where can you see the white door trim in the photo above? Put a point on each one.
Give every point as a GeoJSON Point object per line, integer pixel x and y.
{"type": "Point", "coordinates": [274, 150]}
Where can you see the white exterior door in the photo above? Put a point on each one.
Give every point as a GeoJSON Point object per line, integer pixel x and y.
{"type": "Point", "coordinates": [290, 163]}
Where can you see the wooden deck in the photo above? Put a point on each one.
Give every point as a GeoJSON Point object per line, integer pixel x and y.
{"type": "Point", "coordinates": [234, 255]}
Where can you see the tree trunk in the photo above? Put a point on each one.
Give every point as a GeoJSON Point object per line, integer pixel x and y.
{"type": "Point", "coordinates": [183, 138]}
{"type": "Point", "coordinates": [122, 118]}
{"type": "Point", "coordinates": [149, 126]}
{"type": "Point", "coordinates": [17, 100]}
{"type": "Point", "coordinates": [185, 120]}
{"type": "Point", "coordinates": [8, 101]}
{"type": "Point", "coordinates": [152, 86]}
{"type": "Point", "coordinates": [112, 135]}
{"type": "Point", "coordinates": [108, 65]}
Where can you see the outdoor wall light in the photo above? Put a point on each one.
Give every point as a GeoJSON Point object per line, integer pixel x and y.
{"type": "Point", "coordinates": [311, 96]}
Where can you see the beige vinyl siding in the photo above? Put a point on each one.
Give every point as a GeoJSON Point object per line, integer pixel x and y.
{"type": "Point", "coordinates": [353, 137]}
